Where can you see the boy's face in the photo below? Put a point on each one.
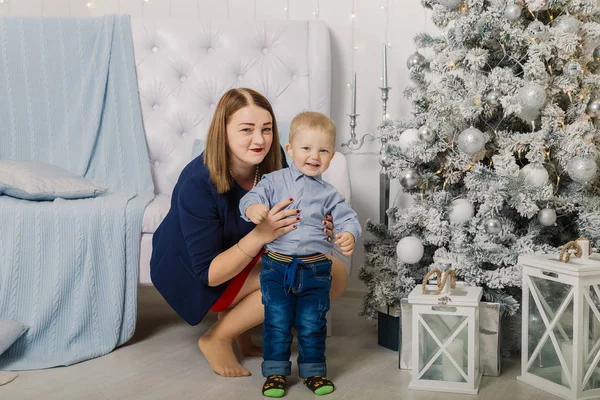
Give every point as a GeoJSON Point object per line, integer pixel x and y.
{"type": "Point", "coordinates": [311, 151]}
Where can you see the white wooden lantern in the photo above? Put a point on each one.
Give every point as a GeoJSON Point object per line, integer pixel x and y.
{"type": "Point", "coordinates": [561, 324]}
{"type": "Point", "coordinates": [445, 345]}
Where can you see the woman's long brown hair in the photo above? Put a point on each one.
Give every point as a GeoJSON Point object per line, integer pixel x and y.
{"type": "Point", "coordinates": [217, 157]}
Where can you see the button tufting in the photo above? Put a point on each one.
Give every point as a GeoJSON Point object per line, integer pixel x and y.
{"type": "Point", "coordinates": [210, 50]}
{"type": "Point", "coordinates": [240, 77]}
{"type": "Point", "coordinates": [155, 107]}
{"type": "Point", "coordinates": [183, 78]}
{"type": "Point", "coordinates": [155, 49]}
{"type": "Point", "coordinates": [265, 50]}
{"type": "Point", "coordinates": [212, 106]}
{"type": "Point", "coordinates": [156, 163]}
{"type": "Point", "coordinates": [184, 134]}
{"type": "Point", "coordinates": [294, 77]}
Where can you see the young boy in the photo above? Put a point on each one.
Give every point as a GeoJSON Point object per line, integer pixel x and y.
{"type": "Point", "coordinates": [296, 275]}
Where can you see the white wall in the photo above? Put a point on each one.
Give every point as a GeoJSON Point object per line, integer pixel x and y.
{"type": "Point", "coordinates": [356, 44]}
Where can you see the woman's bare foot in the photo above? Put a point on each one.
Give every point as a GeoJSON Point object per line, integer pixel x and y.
{"type": "Point", "coordinates": [220, 356]}
{"type": "Point", "coordinates": [247, 347]}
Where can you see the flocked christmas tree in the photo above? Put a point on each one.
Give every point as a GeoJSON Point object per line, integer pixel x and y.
{"type": "Point", "coordinates": [500, 155]}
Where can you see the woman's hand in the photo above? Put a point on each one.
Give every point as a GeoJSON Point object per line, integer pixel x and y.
{"type": "Point", "coordinates": [277, 222]}
{"type": "Point", "coordinates": [328, 222]}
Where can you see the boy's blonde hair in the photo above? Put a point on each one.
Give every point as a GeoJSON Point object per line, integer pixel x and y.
{"type": "Point", "coordinates": [314, 121]}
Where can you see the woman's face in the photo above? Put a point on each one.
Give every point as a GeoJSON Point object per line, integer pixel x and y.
{"type": "Point", "coordinates": [249, 135]}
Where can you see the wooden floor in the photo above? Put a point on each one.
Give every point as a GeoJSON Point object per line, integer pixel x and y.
{"type": "Point", "coordinates": [163, 362]}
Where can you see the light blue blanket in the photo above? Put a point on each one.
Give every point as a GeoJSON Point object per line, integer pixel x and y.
{"type": "Point", "coordinates": [69, 268]}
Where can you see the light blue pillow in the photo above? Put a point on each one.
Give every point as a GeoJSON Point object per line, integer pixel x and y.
{"type": "Point", "coordinates": [33, 180]}
{"type": "Point", "coordinates": [197, 148]}
{"type": "Point", "coordinates": [10, 331]}
{"type": "Point", "coordinates": [284, 138]}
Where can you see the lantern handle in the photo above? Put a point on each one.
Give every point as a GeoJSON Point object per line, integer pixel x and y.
{"type": "Point", "coordinates": [438, 273]}
{"type": "Point", "coordinates": [450, 273]}
{"type": "Point", "coordinates": [565, 256]}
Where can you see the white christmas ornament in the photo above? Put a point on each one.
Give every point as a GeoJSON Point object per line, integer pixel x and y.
{"type": "Point", "coordinates": [535, 174]}
{"type": "Point", "coordinates": [512, 12]}
{"type": "Point", "coordinates": [582, 169]}
{"type": "Point", "coordinates": [403, 200]}
{"type": "Point", "coordinates": [450, 4]}
{"type": "Point", "coordinates": [572, 69]}
{"type": "Point", "coordinates": [408, 139]}
{"type": "Point", "coordinates": [532, 95]}
{"type": "Point", "coordinates": [568, 23]}
{"type": "Point", "coordinates": [529, 115]}
{"type": "Point", "coordinates": [410, 250]}
{"type": "Point", "coordinates": [537, 30]}
{"type": "Point", "coordinates": [547, 217]}
{"type": "Point", "coordinates": [461, 210]}
{"type": "Point", "coordinates": [471, 141]}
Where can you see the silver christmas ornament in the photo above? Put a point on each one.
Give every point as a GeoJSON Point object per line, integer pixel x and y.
{"type": "Point", "coordinates": [593, 107]}
{"type": "Point", "coordinates": [426, 134]}
{"type": "Point", "coordinates": [471, 141]}
{"type": "Point", "coordinates": [572, 69]}
{"type": "Point", "coordinates": [547, 217]}
{"type": "Point", "coordinates": [409, 178]}
{"type": "Point", "coordinates": [532, 96]}
{"type": "Point", "coordinates": [568, 23]}
{"type": "Point", "coordinates": [596, 54]}
{"type": "Point", "coordinates": [582, 169]}
{"type": "Point", "coordinates": [493, 226]}
{"type": "Point", "coordinates": [415, 60]}
{"type": "Point", "coordinates": [512, 12]}
{"type": "Point", "coordinates": [450, 4]}
{"type": "Point", "coordinates": [493, 98]}
{"type": "Point", "coordinates": [593, 67]}
{"type": "Point", "coordinates": [384, 160]}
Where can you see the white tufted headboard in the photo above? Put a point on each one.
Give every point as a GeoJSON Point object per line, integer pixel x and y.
{"type": "Point", "coordinates": [184, 67]}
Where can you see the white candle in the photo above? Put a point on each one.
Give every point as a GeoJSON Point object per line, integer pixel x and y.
{"type": "Point", "coordinates": [384, 75]}
{"type": "Point", "coordinates": [585, 249]}
{"type": "Point", "coordinates": [567, 350]}
{"type": "Point", "coordinates": [449, 371]}
{"type": "Point", "coordinates": [353, 98]}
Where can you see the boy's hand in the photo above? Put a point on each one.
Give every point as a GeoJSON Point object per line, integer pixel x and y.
{"type": "Point", "coordinates": [346, 242]}
{"type": "Point", "coordinates": [257, 212]}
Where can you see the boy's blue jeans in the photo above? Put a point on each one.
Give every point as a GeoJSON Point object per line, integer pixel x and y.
{"type": "Point", "coordinates": [295, 293]}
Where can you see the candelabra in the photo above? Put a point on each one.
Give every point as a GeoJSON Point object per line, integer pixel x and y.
{"type": "Point", "coordinates": [354, 144]}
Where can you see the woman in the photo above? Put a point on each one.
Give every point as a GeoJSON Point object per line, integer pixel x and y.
{"type": "Point", "coordinates": [205, 256]}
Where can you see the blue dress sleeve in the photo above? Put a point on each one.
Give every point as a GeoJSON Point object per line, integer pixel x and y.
{"type": "Point", "coordinates": [200, 223]}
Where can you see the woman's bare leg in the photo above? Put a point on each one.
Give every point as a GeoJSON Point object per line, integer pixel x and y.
{"type": "Point", "coordinates": [339, 278]}
{"type": "Point", "coordinates": [246, 312]}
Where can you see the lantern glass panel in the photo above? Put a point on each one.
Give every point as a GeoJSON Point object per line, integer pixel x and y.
{"type": "Point", "coordinates": [553, 302]}
{"type": "Point", "coordinates": [435, 329]}
{"type": "Point", "coordinates": [591, 370]}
